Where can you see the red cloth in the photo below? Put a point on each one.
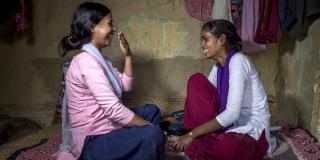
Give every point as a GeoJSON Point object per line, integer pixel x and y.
{"type": "Point", "coordinates": [201, 106]}
{"type": "Point", "coordinates": [268, 29]}
{"type": "Point", "coordinates": [200, 9]}
{"type": "Point", "coordinates": [21, 18]}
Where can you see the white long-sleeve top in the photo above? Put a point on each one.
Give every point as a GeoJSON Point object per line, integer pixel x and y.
{"type": "Point", "coordinates": [247, 107]}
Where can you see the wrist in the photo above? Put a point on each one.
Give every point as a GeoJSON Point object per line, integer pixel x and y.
{"type": "Point", "coordinates": [192, 135]}
{"type": "Point", "coordinates": [129, 55]}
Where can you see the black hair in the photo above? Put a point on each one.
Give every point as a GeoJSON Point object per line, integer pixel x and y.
{"type": "Point", "coordinates": [86, 15]}
{"type": "Point", "coordinates": [221, 26]}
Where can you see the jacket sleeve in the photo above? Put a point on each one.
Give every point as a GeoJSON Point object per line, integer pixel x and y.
{"type": "Point", "coordinates": [100, 87]}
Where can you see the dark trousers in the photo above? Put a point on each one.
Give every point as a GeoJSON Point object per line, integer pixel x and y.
{"type": "Point", "coordinates": [131, 143]}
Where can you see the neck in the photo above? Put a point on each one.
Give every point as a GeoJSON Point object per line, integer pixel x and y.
{"type": "Point", "coordinates": [221, 58]}
{"type": "Point", "coordinates": [97, 46]}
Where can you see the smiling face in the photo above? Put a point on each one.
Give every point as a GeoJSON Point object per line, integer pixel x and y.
{"type": "Point", "coordinates": [211, 45]}
{"type": "Point", "coordinates": [103, 32]}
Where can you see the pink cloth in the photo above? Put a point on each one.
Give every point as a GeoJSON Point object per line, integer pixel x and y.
{"type": "Point", "coordinates": [250, 18]}
{"type": "Point", "coordinates": [93, 106]}
{"type": "Point", "coordinates": [202, 105]}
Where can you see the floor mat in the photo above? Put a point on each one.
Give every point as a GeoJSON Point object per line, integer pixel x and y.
{"type": "Point", "coordinates": [293, 144]}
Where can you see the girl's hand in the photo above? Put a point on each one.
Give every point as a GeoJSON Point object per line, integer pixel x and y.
{"type": "Point", "coordinates": [124, 45]}
{"type": "Point", "coordinates": [181, 143]}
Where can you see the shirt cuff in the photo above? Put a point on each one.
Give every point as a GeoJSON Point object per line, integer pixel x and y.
{"type": "Point", "coordinates": [126, 77]}
{"type": "Point", "coordinates": [221, 121]}
{"type": "Point", "coordinates": [127, 82]}
{"type": "Point", "coordinates": [129, 116]}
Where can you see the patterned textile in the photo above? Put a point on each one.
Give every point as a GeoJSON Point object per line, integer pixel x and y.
{"type": "Point", "coordinates": [46, 149]}
{"type": "Point", "coordinates": [200, 9]}
{"type": "Point", "coordinates": [302, 143]}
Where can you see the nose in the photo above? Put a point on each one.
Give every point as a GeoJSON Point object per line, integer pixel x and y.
{"type": "Point", "coordinates": [203, 44]}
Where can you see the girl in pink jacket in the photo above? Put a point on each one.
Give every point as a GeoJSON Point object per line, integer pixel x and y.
{"type": "Point", "coordinates": [96, 124]}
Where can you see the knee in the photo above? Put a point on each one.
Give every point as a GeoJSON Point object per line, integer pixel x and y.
{"type": "Point", "coordinates": [196, 78]}
{"type": "Point", "coordinates": [153, 109]}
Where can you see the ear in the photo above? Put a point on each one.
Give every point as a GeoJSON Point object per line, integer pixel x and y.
{"type": "Point", "coordinates": [222, 39]}
{"type": "Point", "coordinates": [92, 28]}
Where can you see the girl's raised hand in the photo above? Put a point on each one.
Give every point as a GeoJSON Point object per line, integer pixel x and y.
{"type": "Point", "coordinates": [124, 45]}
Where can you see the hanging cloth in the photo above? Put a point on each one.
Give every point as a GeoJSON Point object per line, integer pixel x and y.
{"type": "Point", "coordinates": [268, 30]}
{"type": "Point", "coordinates": [222, 10]}
{"type": "Point", "coordinates": [200, 9]}
{"type": "Point", "coordinates": [250, 17]}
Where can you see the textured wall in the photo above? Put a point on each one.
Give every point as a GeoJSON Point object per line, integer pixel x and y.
{"type": "Point", "coordinates": [297, 82]}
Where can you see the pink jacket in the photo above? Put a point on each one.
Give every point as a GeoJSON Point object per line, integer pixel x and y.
{"type": "Point", "coordinates": [93, 106]}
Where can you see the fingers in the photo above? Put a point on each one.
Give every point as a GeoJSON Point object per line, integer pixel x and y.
{"type": "Point", "coordinates": [122, 38]}
{"type": "Point", "coordinates": [123, 42]}
{"type": "Point", "coordinates": [173, 138]}
{"type": "Point", "coordinates": [177, 145]}
{"type": "Point", "coordinates": [180, 146]}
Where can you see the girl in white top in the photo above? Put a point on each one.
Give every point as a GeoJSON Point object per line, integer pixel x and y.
{"type": "Point", "coordinates": [226, 114]}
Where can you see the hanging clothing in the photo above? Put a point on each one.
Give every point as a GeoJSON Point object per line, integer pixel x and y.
{"type": "Point", "coordinates": [133, 143]}
{"type": "Point", "coordinates": [295, 13]}
{"type": "Point", "coordinates": [202, 105]}
{"type": "Point", "coordinates": [287, 18]}
{"type": "Point", "coordinates": [222, 10]}
{"type": "Point", "coordinates": [268, 29]}
{"type": "Point", "coordinates": [250, 17]}
{"type": "Point", "coordinates": [236, 12]}
{"type": "Point", "coordinates": [291, 15]}
{"type": "Point", "coordinates": [21, 17]}
{"type": "Point", "coordinates": [200, 9]}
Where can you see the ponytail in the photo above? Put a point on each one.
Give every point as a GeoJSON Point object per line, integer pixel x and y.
{"type": "Point", "coordinates": [68, 43]}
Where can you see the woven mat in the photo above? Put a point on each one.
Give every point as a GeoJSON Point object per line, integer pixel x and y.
{"type": "Point", "coordinates": [50, 132]}
{"type": "Point", "coordinates": [284, 150]}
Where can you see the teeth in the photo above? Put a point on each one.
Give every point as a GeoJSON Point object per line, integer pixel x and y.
{"type": "Point", "coordinates": [206, 50]}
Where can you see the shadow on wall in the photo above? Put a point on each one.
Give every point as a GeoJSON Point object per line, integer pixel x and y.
{"type": "Point", "coordinates": [50, 71]}
{"type": "Point", "coordinates": [296, 77]}
{"type": "Point", "coordinates": [287, 42]}
{"type": "Point", "coordinates": [163, 81]}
